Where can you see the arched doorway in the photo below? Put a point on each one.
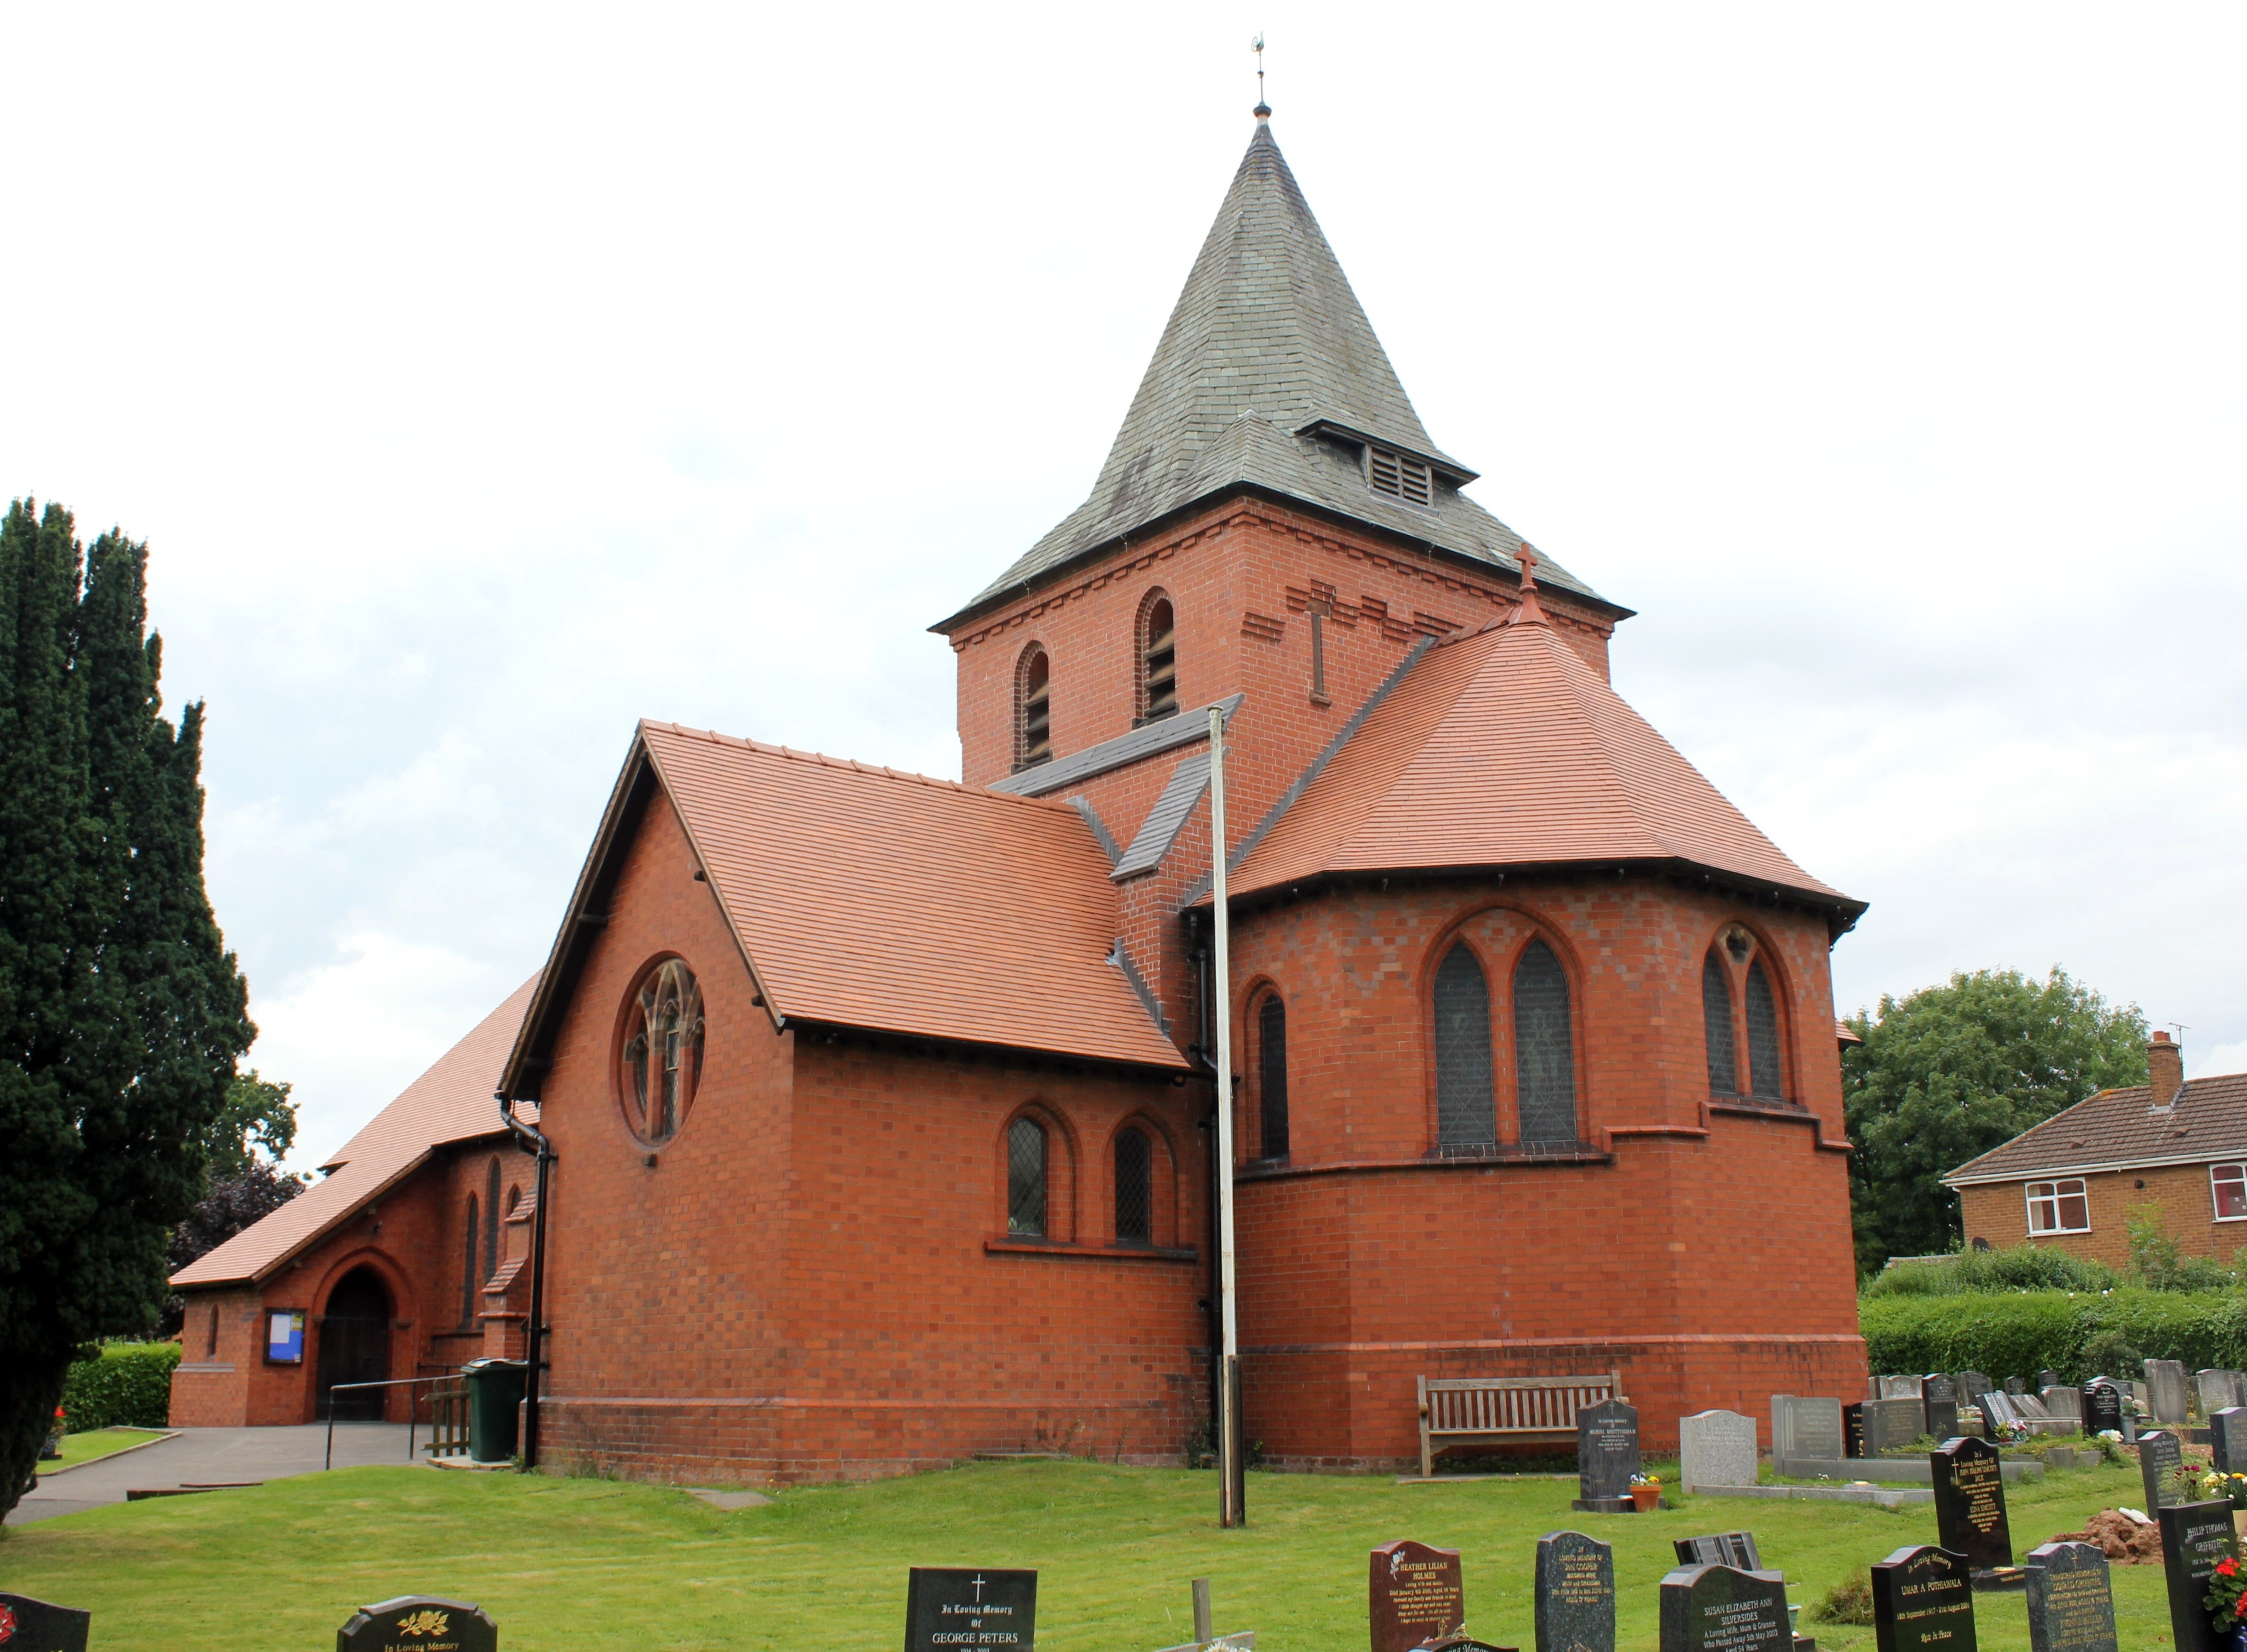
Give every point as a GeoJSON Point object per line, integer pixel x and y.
{"type": "Point", "coordinates": [355, 1346]}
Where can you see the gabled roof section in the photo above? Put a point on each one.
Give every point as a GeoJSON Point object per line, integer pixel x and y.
{"type": "Point", "coordinates": [1268, 375]}
{"type": "Point", "coordinates": [2206, 1122]}
{"type": "Point", "coordinates": [450, 1102]}
{"type": "Point", "coordinates": [864, 897]}
{"type": "Point", "coordinates": [1505, 748]}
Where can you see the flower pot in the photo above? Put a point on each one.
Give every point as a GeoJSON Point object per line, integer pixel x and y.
{"type": "Point", "coordinates": [1646, 1499]}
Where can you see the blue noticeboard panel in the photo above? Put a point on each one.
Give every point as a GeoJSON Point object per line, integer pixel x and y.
{"type": "Point", "coordinates": [284, 1336]}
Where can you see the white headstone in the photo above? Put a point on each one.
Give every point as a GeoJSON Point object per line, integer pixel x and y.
{"type": "Point", "coordinates": [1716, 1448]}
{"type": "Point", "coordinates": [2165, 1378]}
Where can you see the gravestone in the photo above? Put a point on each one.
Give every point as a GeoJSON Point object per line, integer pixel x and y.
{"type": "Point", "coordinates": [27, 1625]}
{"type": "Point", "coordinates": [1414, 1593]}
{"type": "Point", "coordinates": [1892, 1425]}
{"type": "Point", "coordinates": [949, 1607]}
{"type": "Point", "coordinates": [2047, 1378]}
{"type": "Point", "coordinates": [2071, 1600]}
{"type": "Point", "coordinates": [2065, 1405]}
{"type": "Point", "coordinates": [2194, 1537]}
{"type": "Point", "coordinates": [2014, 1385]}
{"type": "Point", "coordinates": [2159, 1456]}
{"type": "Point", "coordinates": [416, 1621]}
{"type": "Point", "coordinates": [1972, 1385]}
{"type": "Point", "coordinates": [1721, 1609]}
{"type": "Point", "coordinates": [1803, 1431]}
{"type": "Point", "coordinates": [2102, 1406]}
{"type": "Point", "coordinates": [1714, 1447]}
{"type": "Point", "coordinates": [2219, 1389]}
{"type": "Point", "coordinates": [2227, 1434]}
{"type": "Point", "coordinates": [1997, 1407]}
{"type": "Point", "coordinates": [1922, 1597]}
{"type": "Point", "coordinates": [2165, 1390]}
{"type": "Point", "coordinates": [1735, 1549]}
{"type": "Point", "coordinates": [1940, 1396]}
{"type": "Point", "coordinates": [1969, 1503]}
{"type": "Point", "coordinates": [1575, 1590]}
{"type": "Point", "coordinates": [1853, 1428]}
{"type": "Point", "coordinates": [1897, 1388]}
{"type": "Point", "coordinates": [1607, 1456]}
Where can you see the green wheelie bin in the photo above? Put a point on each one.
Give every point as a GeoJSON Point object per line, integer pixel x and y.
{"type": "Point", "coordinates": [495, 1402]}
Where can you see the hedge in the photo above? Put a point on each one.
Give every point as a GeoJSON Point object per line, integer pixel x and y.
{"type": "Point", "coordinates": [2023, 1333]}
{"type": "Point", "coordinates": [130, 1385]}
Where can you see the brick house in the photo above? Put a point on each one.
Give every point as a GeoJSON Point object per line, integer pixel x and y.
{"type": "Point", "coordinates": [881, 1106]}
{"type": "Point", "coordinates": [2071, 1182]}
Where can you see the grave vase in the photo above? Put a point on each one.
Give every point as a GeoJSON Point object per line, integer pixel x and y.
{"type": "Point", "coordinates": [1646, 1499]}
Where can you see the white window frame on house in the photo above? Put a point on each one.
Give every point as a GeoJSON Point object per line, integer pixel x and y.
{"type": "Point", "coordinates": [2231, 1176]}
{"type": "Point", "coordinates": [2055, 1197]}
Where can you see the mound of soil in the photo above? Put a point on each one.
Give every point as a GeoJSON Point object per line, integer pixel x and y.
{"type": "Point", "coordinates": [2119, 1537]}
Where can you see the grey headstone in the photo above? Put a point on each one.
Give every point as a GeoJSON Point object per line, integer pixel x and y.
{"type": "Point", "coordinates": [2226, 1434]}
{"type": "Point", "coordinates": [27, 1625]}
{"type": "Point", "coordinates": [2219, 1389]}
{"type": "Point", "coordinates": [2047, 1378]}
{"type": "Point", "coordinates": [1997, 1407]}
{"type": "Point", "coordinates": [2014, 1385]}
{"type": "Point", "coordinates": [951, 1607]}
{"type": "Point", "coordinates": [2165, 1390]}
{"type": "Point", "coordinates": [1576, 1592]}
{"type": "Point", "coordinates": [1972, 1385]}
{"type": "Point", "coordinates": [2194, 1537]}
{"type": "Point", "coordinates": [1898, 1388]}
{"type": "Point", "coordinates": [1923, 1598]}
{"type": "Point", "coordinates": [2159, 1456]}
{"type": "Point", "coordinates": [1892, 1425]}
{"type": "Point", "coordinates": [2064, 1405]}
{"type": "Point", "coordinates": [1969, 1503]}
{"type": "Point", "coordinates": [1606, 1450]}
{"type": "Point", "coordinates": [1939, 1394]}
{"type": "Point", "coordinates": [417, 1620]}
{"type": "Point", "coordinates": [1719, 1609]}
{"type": "Point", "coordinates": [2071, 1600]}
{"type": "Point", "coordinates": [1714, 1447]}
{"type": "Point", "coordinates": [1804, 1430]}
{"type": "Point", "coordinates": [2102, 1406]}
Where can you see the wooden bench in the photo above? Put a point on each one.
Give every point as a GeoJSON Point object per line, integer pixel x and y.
{"type": "Point", "coordinates": [1455, 1410]}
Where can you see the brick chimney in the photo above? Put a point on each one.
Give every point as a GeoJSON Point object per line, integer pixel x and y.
{"type": "Point", "coordinates": [2165, 1069]}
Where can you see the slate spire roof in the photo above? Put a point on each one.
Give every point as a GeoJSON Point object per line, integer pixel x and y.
{"type": "Point", "coordinates": [1269, 374]}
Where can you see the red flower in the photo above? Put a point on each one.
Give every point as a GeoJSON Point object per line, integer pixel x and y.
{"type": "Point", "coordinates": [2226, 1568]}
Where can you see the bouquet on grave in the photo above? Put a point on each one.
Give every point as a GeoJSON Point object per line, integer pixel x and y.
{"type": "Point", "coordinates": [2010, 1433]}
{"type": "Point", "coordinates": [1646, 1479]}
{"type": "Point", "coordinates": [2227, 1596]}
{"type": "Point", "coordinates": [2213, 1487]}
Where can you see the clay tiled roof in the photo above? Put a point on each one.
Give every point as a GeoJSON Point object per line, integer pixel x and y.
{"type": "Point", "coordinates": [1505, 748]}
{"type": "Point", "coordinates": [2118, 1130]}
{"type": "Point", "coordinates": [867, 897]}
{"type": "Point", "coordinates": [450, 1102]}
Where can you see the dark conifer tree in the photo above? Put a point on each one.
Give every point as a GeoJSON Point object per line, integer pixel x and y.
{"type": "Point", "coordinates": [121, 1013]}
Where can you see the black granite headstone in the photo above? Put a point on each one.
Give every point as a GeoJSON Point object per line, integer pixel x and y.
{"type": "Point", "coordinates": [1575, 1591]}
{"type": "Point", "coordinates": [2195, 1536]}
{"type": "Point", "coordinates": [2071, 1600]}
{"type": "Point", "coordinates": [418, 1621]}
{"type": "Point", "coordinates": [966, 1608]}
{"type": "Point", "coordinates": [2102, 1406]}
{"type": "Point", "coordinates": [1970, 1503]}
{"type": "Point", "coordinates": [1607, 1455]}
{"type": "Point", "coordinates": [2159, 1458]}
{"type": "Point", "coordinates": [2227, 1438]}
{"type": "Point", "coordinates": [1940, 1395]}
{"type": "Point", "coordinates": [1720, 1608]}
{"type": "Point", "coordinates": [1924, 1597]}
{"type": "Point", "coordinates": [27, 1625]}
{"type": "Point", "coordinates": [1853, 1428]}
{"type": "Point", "coordinates": [1735, 1549]}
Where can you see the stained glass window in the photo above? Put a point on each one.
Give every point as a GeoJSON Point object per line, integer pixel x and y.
{"type": "Point", "coordinates": [1272, 1075]}
{"type": "Point", "coordinates": [663, 1052]}
{"type": "Point", "coordinates": [1544, 1049]}
{"type": "Point", "coordinates": [1716, 1018]}
{"type": "Point", "coordinates": [1762, 1036]}
{"type": "Point", "coordinates": [1026, 1178]}
{"type": "Point", "coordinates": [1466, 1115]}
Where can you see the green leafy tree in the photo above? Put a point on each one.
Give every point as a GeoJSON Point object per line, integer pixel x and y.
{"type": "Point", "coordinates": [256, 1113]}
{"type": "Point", "coordinates": [121, 1013]}
{"type": "Point", "coordinates": [1950, 1072]}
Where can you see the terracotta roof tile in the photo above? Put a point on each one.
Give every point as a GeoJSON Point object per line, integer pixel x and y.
{"type": "Point", "coordinates": [865, 896]}
{"type": "Point", "coordinates": [450, 1102]}
{"type": "Point", "coordinates": [2207, 1123]}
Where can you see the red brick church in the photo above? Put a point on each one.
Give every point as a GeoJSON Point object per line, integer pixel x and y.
{"type": "Point", "coordinates": [881, 1106]}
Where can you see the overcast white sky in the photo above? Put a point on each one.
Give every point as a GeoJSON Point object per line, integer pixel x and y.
{"type": "Point", "coordinates": [484, 378]}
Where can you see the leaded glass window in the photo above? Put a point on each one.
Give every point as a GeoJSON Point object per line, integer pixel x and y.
{"type": "Point", "coordinates": [1544, 1049]}
{"type": "Point", "coordinates": [663, 1051]}
{"type": "Point", "coordinates": [1466, 1115]}
{"type": "Point", "coordinates": [1135, 1187]}
{"type": "Point", "coordinates": [1762, 1036]}
{"type": "Point", "coordinates": [1716, 1018]}
{"type": "Point", "coordinates": [491, 1228]}
{"type": "Point", "coordinates": [468, 1269]}
{"type": "Point", "coordinates": [1026, 1178]}
{"type": "Point", "coordinates": [1272, 1075]}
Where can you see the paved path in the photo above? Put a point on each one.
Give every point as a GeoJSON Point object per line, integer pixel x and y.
{"type": "Point", "coordinates": [204, 1456]}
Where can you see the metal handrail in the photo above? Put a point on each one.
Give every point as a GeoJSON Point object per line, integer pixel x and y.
{"type": "Point", "coordinates": [410, 1420]}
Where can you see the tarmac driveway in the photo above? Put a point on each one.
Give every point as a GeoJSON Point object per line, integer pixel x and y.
{"type": "Point", "coordinates": [209, 1457]}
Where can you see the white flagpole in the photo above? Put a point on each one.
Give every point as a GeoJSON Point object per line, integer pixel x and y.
{"type": "Point", "coordinates": [1232, 1488]}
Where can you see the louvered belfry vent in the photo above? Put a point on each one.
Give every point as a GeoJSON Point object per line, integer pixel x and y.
{"type": "Point", "coordinates": [1158, 660]}
{"type": "Point", "coordinates": [1397, 476]}
{"type": "Point", "coordinates": [1033, 711]}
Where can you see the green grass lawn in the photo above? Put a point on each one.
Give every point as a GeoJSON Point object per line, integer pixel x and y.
{"type": "Point", "coordinates": [94, 1443]}
{"type": "Point", "coordinates": [584, 1564]}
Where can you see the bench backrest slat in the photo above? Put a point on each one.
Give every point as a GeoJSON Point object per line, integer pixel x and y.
{"type": "Point", "coordinates": [1512, 1404]}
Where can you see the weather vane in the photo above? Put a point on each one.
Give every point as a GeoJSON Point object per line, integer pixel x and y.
{"type": "Point", "coordinates": [1263, 110]}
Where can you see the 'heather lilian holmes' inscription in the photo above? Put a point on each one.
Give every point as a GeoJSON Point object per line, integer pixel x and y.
{"type": "Point", "coordinates": [1414, 1593]}
{"type": "Point", "coordinates": [961, 1608]}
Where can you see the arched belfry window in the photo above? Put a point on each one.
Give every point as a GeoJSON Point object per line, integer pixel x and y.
{"type": "Point", "coordinates": [1763, 1036]}
{"type": "Point", "coordinates": [1717, 1023]}
{"type": "Point", "coordinates": [1033, 709]}
{"type": "Point", "coordinates": [662, 1051]}
{"type": "Point", "coordinates": [1135, 1187]}
{"type": "Point", "coordinates": [468, 1269]}
{"type": "Point", "coordinates": [1159, 659]}
{"type": "Point", "coordinates": [1466, 1114]}
{"type": "Point", "coordinates": [1544, 1049]}
{"type": "Point", "coordinates": [491, 1228]}
{"type": "Point", "coordinates": [1272, 1076]}
{"type": "Point", "coordinates": [1026, 1178]}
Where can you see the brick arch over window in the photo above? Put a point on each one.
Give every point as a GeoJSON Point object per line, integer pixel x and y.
{"type": "Point", "coordinates": [1037, 1176]}
{"type": "Point", "coordinates": [1466, 1110]}
{"type": "Point", "coordinates": [1544, 1047]}
{"type": "Point", "coordinates": [1155, 651]}
{"type": "Point", "coordinates": [1716, 1025]}
{"type": "Point", "coordinates": [1033, 709]}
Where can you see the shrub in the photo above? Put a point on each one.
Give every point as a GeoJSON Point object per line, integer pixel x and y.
{"type": "Point", "coordinates": [2023, 1268]}
{"type": "Point", "coordinates": [128, 1385]}
{"type": "Point", "coordinates": [2017, 1334]}
{"type": "Point", "coordinates": [1848, 1602]}
{"type": "Point", "coordinates": [2109, 1352]}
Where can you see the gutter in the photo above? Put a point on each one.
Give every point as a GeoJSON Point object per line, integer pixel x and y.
{"type": "Point", "coordinates": [532, 1140]}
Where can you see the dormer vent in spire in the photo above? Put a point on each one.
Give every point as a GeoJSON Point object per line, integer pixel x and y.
{"type": "Point", "coordinates": [1400, 477]}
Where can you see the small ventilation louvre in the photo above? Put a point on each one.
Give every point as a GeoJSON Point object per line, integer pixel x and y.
{"type": "Point", "coordinates": [1397, 476]}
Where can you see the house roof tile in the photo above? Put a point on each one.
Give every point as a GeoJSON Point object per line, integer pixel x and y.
{"type": "Point", "coordinates": [2206, 1122]}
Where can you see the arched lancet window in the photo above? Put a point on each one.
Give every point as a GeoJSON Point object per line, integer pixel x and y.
{"type": "Point", "coordinates": [1272, 1075]}
{"type": "Point", "coordinates": [1033, 709]}
{"type": "Point", "coordinates": [211, 1343]}
{"type": "Point", "coordinates": [468, 1270]}
{"type": "Point", "coordinates": [1159, 659]}
{"type": "Point", "coordinates": [1716, 1022]}
{"type": "Point", "coordinates": [1544, 1049]}
{"type": "Point", "coordinates": [1466, 1115]}
{"type": "Point", "coordinates": [514, 1198]}
{"type": "Point", "coordinates": [491, 1228]}
{"type": "Point", "coordinates": [1763, 1036]}
{"type": "Point", "coordinates": [663, 1052]}
{"type": "Point", "coordinates": [1135, 1187]}
{"type": "Point", "coordinates": [1026, 1178]}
